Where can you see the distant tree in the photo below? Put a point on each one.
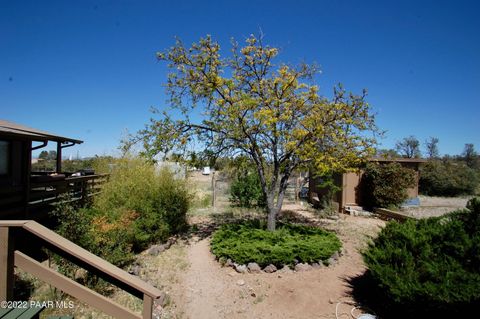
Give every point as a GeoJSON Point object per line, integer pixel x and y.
{"type": "Point", "coordinates": [43, 155]}
{"type": "Point", "coordinates": [52, 155]}
{"type": "Point", "coordinates": [387, 153]}
{"type": "Point", "coordinates": [409, 147]}
{"type": "Point", "coordinates": [432, 147]}
{"type": "Point", "coordinates": [272, 113]}
{"type": "Point", "coordinates": [470, 156]}
{"type": "Point", "coordinates": [176, 157]}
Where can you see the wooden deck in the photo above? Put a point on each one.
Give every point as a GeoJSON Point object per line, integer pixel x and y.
{"type": "Point", "coordinates": [24, 201]}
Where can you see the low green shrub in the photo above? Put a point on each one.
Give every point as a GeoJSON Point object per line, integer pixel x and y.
{"type": "Point", "coordinates": [448, 178]}
{"type": "Point", "coordinates": [251, 242]}
{"type": "Point", "coordinates": [246, 191]}
{"type": "Point", "coordinates": [429, 265]}
{"type": "Point", "coordinates": [386, 185]}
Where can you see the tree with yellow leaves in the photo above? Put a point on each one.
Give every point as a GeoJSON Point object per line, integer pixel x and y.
{"type": "Point", "coordinates": [272, 113]}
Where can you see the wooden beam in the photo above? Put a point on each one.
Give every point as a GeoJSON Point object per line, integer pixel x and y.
{"type": "Point", "coordinates": [72, 288]}
{"type": "Point", "coordinates": [6, 264]}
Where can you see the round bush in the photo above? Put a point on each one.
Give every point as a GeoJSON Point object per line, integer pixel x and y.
{"type": "Point", "coordinates": [430, 265]}
{"type": "Point", "coordinates": [251, 242]}
{"type": "Point", "coordinates": [386, 185]}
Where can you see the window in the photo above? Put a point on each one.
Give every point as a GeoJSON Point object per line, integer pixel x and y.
{"type": "Point", "coordinates": [4, 157]}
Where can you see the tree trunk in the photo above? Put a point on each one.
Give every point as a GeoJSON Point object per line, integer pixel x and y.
{"type": "Point", "coordinates": [272, 219]}
{"type": "Point", "coordinates": [271, 212]}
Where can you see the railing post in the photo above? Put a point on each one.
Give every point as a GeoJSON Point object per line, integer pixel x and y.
{"type": "Point", "coordinates": [6, 264]}
{"type": "Point", "coordinates": [147, 307]}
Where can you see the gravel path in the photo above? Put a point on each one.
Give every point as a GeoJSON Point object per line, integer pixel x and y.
{"type": "Point", "coordinates": [436, 206]}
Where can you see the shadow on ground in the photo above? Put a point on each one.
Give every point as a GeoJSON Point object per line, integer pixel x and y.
{"type": "Point", "coordinates": [373, 300]}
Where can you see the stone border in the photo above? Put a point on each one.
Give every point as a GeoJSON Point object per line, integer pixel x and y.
{"type": "Point", "coordinates": [253, 267]}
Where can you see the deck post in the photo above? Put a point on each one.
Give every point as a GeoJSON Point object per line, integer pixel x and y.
{"type": "Point", "coordinates": [6, 264]}
{"type": "Point", "coordinates": [59, 157]}
{"type": "Point", "coordinates": [147, 307]}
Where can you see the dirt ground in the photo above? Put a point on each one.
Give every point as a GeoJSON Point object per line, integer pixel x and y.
{"type": "Point", "coordinates": [204, 289]}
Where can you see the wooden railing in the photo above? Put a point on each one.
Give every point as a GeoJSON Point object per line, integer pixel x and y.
{"type": "Point", "coordinates": [17, 202]}
{"type": "Point", "coordinates": [11, 256]}
{"type": "Point", "coordinates": [78, 188]}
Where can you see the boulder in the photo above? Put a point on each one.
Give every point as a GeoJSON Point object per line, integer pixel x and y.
{"type": "Point", "coordinates": [317, 265]}
{"type": "Point", "coordinates": [254, 268]}
{"type": "Point", "coordinates": [229, 263]}
{"type": "Point", "coordinates": [302, 267]}
{"type": "Point", "coordinates": [331, 262]}
{"type": "Point", "coordinates": [270, 268]}
{"type": "Point", "coordinates": [285, 269]}
{"type": "Point", "coordinates": [241, 268]}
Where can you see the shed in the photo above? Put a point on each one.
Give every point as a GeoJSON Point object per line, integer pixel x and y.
{"type": "Point", "coordinates": [351, 188]}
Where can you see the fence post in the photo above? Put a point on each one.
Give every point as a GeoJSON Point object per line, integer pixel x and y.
{"type": "Point", "coordinates": [213, 190]}
{"type": "Point", "coordinates": [6, 264]}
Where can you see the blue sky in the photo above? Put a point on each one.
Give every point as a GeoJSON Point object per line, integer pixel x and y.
{"type": "Point", "coordinates": [87, 69]}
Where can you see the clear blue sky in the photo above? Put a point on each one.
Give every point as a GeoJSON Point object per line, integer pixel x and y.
{"type": "Point", "coordinates": [87, 69]}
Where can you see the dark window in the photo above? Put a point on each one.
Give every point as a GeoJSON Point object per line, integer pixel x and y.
{"type": "Point", "coordinates": [4, 157]}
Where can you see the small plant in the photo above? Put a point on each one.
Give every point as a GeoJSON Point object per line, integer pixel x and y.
{"type": "Point", "coordinates": [246, 190]}
{"type": "Point", "coordinates": [430, 265]}
{"type": "Point", "coordinates": [251, 242]}
{"type": "Point", "coordinates": [386, 185]}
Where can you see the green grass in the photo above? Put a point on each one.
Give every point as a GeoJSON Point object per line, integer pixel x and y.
{"type": "Point", "coordinates": [251, 242]}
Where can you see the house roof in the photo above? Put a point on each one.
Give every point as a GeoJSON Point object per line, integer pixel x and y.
{"type": "Point", "coordinates": [11, 129]}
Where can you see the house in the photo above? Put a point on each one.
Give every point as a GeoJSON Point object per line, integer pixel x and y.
{"type": "Point", "coordinates": [24, 196]}
{"type": "Point", "coordinates": [351, 193]}
{"type": "Point", "coordinates": [28, 194]}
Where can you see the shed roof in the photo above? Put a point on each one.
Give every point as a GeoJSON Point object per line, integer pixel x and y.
{"type": "Point", "coordinates": [11, 129]}
{"type": "Point", "coordinates": [401, 159]}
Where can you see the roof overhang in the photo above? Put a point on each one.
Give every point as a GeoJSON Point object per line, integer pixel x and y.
{"type": "Point", "coordinates": [14, 130]}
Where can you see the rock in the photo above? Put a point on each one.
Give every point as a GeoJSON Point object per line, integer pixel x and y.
{"type": "Point", "coordinates": [331, 301]}
{"type": "Point", "coordinates": [254, 268]}
{"type": "Point", "coordinates": [331, 262]}
{"type": "Point", "coordinates": [270, 268]}
{"type": "Point", "coordinates": [135, 270]}
{"type": "Point", "coordinates": [229, 263]}
{"type": "Point", "coordinates": [317, 265]}
{"type": "Point", "coordinates": [240, 282]}
{"type": "Point", "coordinates": [336, 255]}
{"type": "Point", "coordinates": [241, 268]}
{"type": "Point", "coordinates": [302, 267]}
{"type": "Point", "coordinates": [285, 269]}
{"type": "Point", "coordinates": [156, 249]}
